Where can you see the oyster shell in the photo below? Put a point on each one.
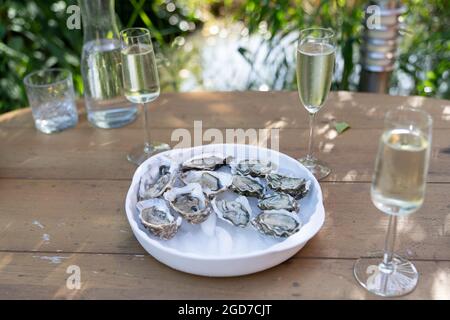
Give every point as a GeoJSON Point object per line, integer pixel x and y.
{"type": "Point", "coordinates": [156, 217]}
{"type": "Point", "coordinates": [190, 202]}
{"type": "Point", "coordinates": [205, 161]}
{"type": "Point", "coordinates": [212, 182]}
{"type": "Point", "coordinates": [296, 187]}
{"type": "Point", "coordinates": [247, 186]}
{"type": "Point", "coordinates": [236, 212]}
{"type": "Point", "coordinates": [157, 179]}
{"type": "Point", "coordinates": [277, 223]}
{"type": "Point", "coordinates": [253, 167]}
{"type": "Point", "coordinates": [278, 201]}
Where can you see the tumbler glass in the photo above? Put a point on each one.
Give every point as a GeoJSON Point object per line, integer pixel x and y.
{"type": "Point", "coordinates": [52, 99]}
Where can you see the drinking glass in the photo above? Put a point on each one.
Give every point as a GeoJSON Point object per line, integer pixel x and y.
{"type": "Point", "coordinates": [52, 99]}
{"type": "Point", "coordinates": [141, 84]}
{"type": "Point", "coordinates": [398, 189]}
{"type": "Point", "coordinates": [315, 63]}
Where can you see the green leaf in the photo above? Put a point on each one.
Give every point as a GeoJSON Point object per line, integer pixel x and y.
{"type": "Point", "coordinates": [341, 126]}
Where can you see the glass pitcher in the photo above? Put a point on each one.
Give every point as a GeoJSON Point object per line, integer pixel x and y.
{"type": "Point", "coordinates": [101, 67]}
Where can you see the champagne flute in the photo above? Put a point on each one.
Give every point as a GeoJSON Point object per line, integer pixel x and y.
{"type": "Point", "coordinates": [398, 189]}
{"type": "Point", "coordinates": [141, 84]}
{"type": "Point", "coordinates": [315, 63]}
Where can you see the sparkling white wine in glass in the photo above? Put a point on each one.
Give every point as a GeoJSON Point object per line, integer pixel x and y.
{"type": "Point", "coordinates": [400, 172]}
{"type": "Point", "coordinates": [140, 74]}
{"type": "Point", "coordinates": [141, 84]}
{"type": "Point", "coordinates": [398, 189]}
{"type": "Point", "coordinates": [315, 64]}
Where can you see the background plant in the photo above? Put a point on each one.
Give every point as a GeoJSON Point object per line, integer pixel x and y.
{"type": "Point", "coordinates": [33, 35]}
{"type": "Point", "coordinates": [425, 48]}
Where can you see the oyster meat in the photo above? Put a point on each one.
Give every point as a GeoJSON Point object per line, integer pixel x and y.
{"type": "Point", "coordinates": [253, 167]}
{"type": "Point", "coordinates": [277, 223]}
{"type": "Point", "coordinates": [296, 187]}
{"type": "Point", "coordinates": [190, 202]}
{"type": "Point", "coordinates": [212, 182]}
{"type": "Point", "coordinates": [237, 211]}
{"type": "Point", "coordinates": [205, 161]}
{"type": "Point", "coordinates": [247, 186]}
{"type": "Point", "coordinates": [157, 179]}
{"type": "Point", "coordinates": [155, 215]}
{"type": "Point", "coordinates": [278, 201]}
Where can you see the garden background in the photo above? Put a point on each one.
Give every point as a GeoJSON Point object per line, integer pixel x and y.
{"type": "Point", "coordinates": [227, 45]}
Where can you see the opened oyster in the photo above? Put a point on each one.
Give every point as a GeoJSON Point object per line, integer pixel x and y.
{"type": "Point", "coordinates": [278, 201]}
{"type": "Point", "coordinates": [247, 186]}
{"type": "Point", "coordinates": [190, 202]}
{"type": "Point", "coordinates": [237, 211]}
{"type": "Point", "coordinates": [157, 179]}
{"type": "Point", "coordinates": [296, 187]}
{"type": "Point", "coordinates": [212, 182]}
{"type": "Point", "coordinates": [254, 167]}
{"type": "Point", "coordinates": [277, 223]}
{"type": "Point", "coordinates": [205, 161]}
{"type": "Point", "coordinates": [156, 217]}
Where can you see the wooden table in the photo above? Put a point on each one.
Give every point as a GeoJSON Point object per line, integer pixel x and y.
{"type": "Point", "coordinates": [62, 202]}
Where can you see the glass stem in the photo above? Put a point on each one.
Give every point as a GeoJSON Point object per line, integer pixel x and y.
{"type": "Point", "coordinates": [309, 156]}
{"type": "Point", "coordinates": [390, 241]}
{"type": "Point", "coordinates": [147, 145]}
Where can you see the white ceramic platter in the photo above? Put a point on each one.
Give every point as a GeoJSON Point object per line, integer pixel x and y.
{"type": "Point", "coordinates": [215, 248]}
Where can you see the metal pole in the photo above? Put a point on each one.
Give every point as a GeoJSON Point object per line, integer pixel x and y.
{"type": "Point", "coordinates": [379, 44]}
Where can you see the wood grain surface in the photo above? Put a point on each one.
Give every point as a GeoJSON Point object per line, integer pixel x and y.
{"type": "Point", "coordinates": [62, 202]}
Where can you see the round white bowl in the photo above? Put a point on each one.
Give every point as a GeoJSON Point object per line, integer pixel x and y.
{"type": "Point", "coordinates": [312, 212]}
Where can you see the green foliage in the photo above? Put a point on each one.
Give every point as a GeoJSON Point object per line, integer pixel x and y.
{"type": "Point", "coordinates": [425, 54]}
{"type": "Point", "coordinates": [425, 50]}
{"type": "Point", "coordinates": [341, 127]}
{"type": "Point", "coordinates": [33, 35]}
{"type": "Point", "coordinates": [283, 17]}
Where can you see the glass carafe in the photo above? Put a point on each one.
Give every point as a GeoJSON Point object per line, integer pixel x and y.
{"type": "Point", "coordinates": [101, 67]}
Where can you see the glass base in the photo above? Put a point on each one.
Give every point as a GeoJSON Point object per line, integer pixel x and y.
{"type": "Point", "coordinates": [393, 280]}
{"type": "Point", "coordinates": [316, 167]}
{"type": "Point", "coordinates": [113, 118]}
{"type": "Point", "coordinates": [141, 153]}
{"type": "Point", "coordinates": [55, 125]}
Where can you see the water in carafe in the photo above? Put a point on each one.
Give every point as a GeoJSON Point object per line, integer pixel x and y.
{"type": "Point", "coordinates": [101, 67]}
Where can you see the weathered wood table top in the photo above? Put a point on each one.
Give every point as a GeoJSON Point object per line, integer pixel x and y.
{"type": "Point", "coordinates": [62, 202]}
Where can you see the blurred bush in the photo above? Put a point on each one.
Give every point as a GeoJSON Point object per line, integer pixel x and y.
{"type": "Point", "coordinates": [33, 35]}
{"type": "Point", "coordinates": [425, 48]}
